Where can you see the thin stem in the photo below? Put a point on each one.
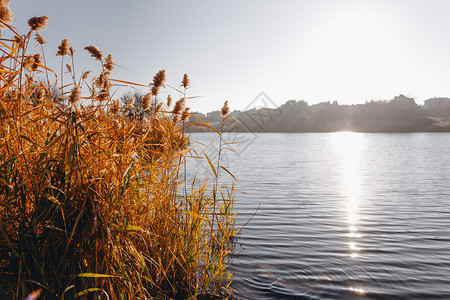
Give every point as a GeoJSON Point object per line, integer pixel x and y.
{"type": "Point", "coordinates": [62, 80]}
{"type": "Point", "coordinates": [216, 179]}
{"type": "Point", "coordinates": [45, 64]}
{"type": "Point", "coordinates": [73, 70]}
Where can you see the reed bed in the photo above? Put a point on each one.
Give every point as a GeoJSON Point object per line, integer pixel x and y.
{"type": "Point", "coordinates": [90, 202]}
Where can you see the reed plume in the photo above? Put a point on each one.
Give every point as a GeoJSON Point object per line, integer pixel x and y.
{"type": "Point", "coordinates": [38, 23]}
{"type": "Point", "coordinates": [158, 81]}
{"type": "Point", "coordinates": [115, 107]}
{"type": "Point", "coordinates": [155, 91]}
{"type": "Point", "coordinates": [19, 40]}
{"type": "Point", "coordinates": [131, 103]}
{"type": "Point", "coordinates": [6, 14]}
{"type": "Point", "coordinates": [109, 63]}
{"type": "Point", "coordinates": [178, 109]}
{"type": "Point", "coordinates": [225, 109]}
{"type": "Point", "coordinates": [85, 75]}
{"type": "Point", "coordinates": [158, 107]}
{"type": "Point", "coordinates": [185, 82]}
{"type": "Point", "coordinates": [103, 81]}
{"type": "Point", "coordinates": [75, 95]}
{"type": "Point", "coordinates": [169, 100]}
{"type": "Point", "coordinates": [39, 38]}
{"type": "Point", "coordinates": [179, 105]}
{"type": "Point", "coordinates": [37, 61]}
{"type": "Point", "coordinates": [95, 52]}
{"type": "Point", "coordinates": [28, 61]}
{"type": "Point", "coordinates": [185, 115]}
{"type": "Point", "coordinates": [146, 99]}
{"type": "Point", "coordinates": [64, 48]}
{"type": "Point", "coordinates": [40, 94]}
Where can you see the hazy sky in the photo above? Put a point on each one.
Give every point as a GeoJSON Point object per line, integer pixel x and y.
{"type": "Point", "coordinates": [351, 51]}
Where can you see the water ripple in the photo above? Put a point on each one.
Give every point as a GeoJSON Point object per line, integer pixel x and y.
{"type": "Point", "coordinates": [343, 216]}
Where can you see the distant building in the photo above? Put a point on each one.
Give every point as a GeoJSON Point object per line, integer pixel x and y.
{"type": "Point", "coordinates": [403, 100]}
{"type": "Point", "coordinates": [436, 103]}
{"type": "Point", "coordinates": [438, 107]}
{"type": "Point", "coordinates": [321, 104]}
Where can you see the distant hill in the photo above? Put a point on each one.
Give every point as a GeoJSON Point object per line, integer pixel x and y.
{"type": "Point", "coordinates": [400, 114]}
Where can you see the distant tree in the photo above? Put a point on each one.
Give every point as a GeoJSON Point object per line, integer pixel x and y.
{"type": "Point", "coordinates": [132, 101]}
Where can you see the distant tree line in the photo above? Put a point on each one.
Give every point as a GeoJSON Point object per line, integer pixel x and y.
{"type": "Point", "coordinates": [402, 114]}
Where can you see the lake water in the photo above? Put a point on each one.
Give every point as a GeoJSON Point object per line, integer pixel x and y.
{"type": "Point", "coordinates": [341, 215]}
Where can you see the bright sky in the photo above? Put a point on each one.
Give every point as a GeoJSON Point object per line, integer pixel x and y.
{"type": "Point", "coordinates": [351, 51]}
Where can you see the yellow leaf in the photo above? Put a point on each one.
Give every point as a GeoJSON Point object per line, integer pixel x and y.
{"type": "Point", "coordinates": [94, 275]}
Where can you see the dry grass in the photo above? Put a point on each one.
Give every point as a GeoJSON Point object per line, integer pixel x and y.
{"type": "Point", "coordinates": [90, 205]}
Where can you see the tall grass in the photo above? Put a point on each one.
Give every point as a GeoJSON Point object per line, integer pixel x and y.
{"type": "Point", "coordinates": [90, 204]}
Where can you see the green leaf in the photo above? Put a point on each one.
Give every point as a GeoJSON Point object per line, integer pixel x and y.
{"type": "Point", "coordinates": [134, 227]}
{"type": "Point", "coordinates": [53, 199]}
{"type": "Point", "coordinates": [87, 291]}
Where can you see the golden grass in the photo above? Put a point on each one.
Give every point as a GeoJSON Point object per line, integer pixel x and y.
{"type": "Point", "coordinates": [89, 196]}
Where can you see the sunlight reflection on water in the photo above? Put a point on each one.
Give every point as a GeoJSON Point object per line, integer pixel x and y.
{"type": "Point", "coordinates": [348, 146]}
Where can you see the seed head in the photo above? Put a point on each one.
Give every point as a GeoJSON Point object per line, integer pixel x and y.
{"type": "Point", "coordinates": [155, 90]}
{"type": "Point", "coordinates": [225, 109]}
{"type": "Point", "coordinates": [69, 68]}
{"type": "Point", "coordinates": [19, 40]}
{"type": "Point", "coordinates": [85, 75]}
{"type": "Point", "coordinates": [40, 94]}
{"type": "Point", "coordinates": [28, 81]}
{"type": "Point", "coordinates": [103, 80]}
{"type": "Point", "coordinates": [169, 101]}
{"type": "Point", "coordinates": [115, 107]}
{"type": "Point", "coordinates": [28, 61]}
{"type": "Point", "coordinates": [185, 82]}
{"type": "Point", "coordinates": [37, 60]}
{"type": "Point", "coordinates": [97, 54]}
{"type": "Point", "coordinates": [131, 103]}
{"type": "Point", "coordinates": [14, 94]}
{"type": "Point", "coordinates": [103, 94]}
{"type": "Point", "coordinates": [158, 107]}
{"type": "Point", "coordinates": [37, 23]}
{"type": "Point", "coordinates": [185, 115]}
{"type": "Point", "coordinates": [39, 38]}
{"type": "Point", "coordinates": [109, 64]}
{"type": "Point", "coordinates": [158, 81]}
{"type": "Point", "coordinates": [146, 101]}
{"type": "Point", "coordinates": [179, 105]}
{"type": "Point", "coordinates": [64, 48]}
{"type": "Point", "coordinates": [6, 15]}
{"type": "Point", "coordinates": [75, 95]}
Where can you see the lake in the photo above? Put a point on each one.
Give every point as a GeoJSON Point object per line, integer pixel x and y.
{"type": "Point", "coordinates": [340, 215]}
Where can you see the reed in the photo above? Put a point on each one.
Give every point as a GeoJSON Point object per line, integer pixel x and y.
{"type": "Point", "coordinates": [90, 203]}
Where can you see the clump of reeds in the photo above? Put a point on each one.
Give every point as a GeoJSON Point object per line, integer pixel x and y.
{"type": "Point", "coordinates": [89, 196]}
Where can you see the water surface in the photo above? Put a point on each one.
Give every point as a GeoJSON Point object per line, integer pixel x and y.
{"type": "Point", "coordinates": [341, 215]}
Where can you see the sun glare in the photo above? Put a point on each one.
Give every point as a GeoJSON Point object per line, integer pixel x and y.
{"type": "Point", "coordinates": [348, 146]}
{"type": "Point", "coordinates": [348, 50]}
